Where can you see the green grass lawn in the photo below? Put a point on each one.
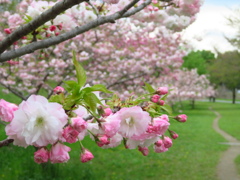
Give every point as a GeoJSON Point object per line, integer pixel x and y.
{"type": "Point", "coordinates": [194, 156]}
{"type": "Point", "coordinates": [230, 120]}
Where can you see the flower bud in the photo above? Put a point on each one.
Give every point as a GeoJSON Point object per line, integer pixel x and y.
{"type": "Point", "coordinates": [161, 102]}
{"type": "Point", "coordinates": [86, 156]}
{"type": "Point", "coordinates": [159, 142]}
{"type": "Point", "coordinates": [7, 110]}
{"type": "Point", "coordinates": [70, 134]}
{"type": "Point", "coordinates": [181, 118]}
{"type": "Point", "coordinates": [7, 31]}
{"type": "Point", "coordinates": [79, 124]}
{"type": "Point", "coordinates": [58, 90]}
{"type": "Point", "coordinates": [143, 150]}
{"type": "Point", "coordinates": [160, 149]}
{"type": "Point", "coordinates": [41, 156]}
{"type": "Point", "coordinates": [167, 142]}
{"type": "Point", "coordinates": [59, 153]}
{"type": "Point", "coordinates": [173, 134]}
{"type": "Point", "coordinates": [107, 112]}
{"type": "Point", "coordinates": [162, 90]}
{"type": "Point", "coordinates": [155, 98]}
{"type": "Point", "coordinates": [52, 28]}
{"type": "Point", "coordinates": [103, 141]}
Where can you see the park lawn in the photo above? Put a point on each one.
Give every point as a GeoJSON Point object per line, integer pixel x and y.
{"type": "Point", "coordinates": [194, 156]}
{"type": "Point", "coordinates": [230, 117]}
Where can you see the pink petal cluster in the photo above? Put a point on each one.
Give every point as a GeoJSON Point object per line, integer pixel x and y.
{"type": "Point", "coordinates": [155, 98]}
{"type": "Point", "coordinates": [162, 145]}
{"type": "Point", "coordinates": [134, 121]}
{"type": "Point", "coordinates": [162, 90]}
{"type": "Point", "coordinates": [59, 153]}
{"type": "Point", "coordinates": [111, 125]}
{"type": "Point", "coordinates": [7, 110]}
{"type": "Point", "coordinates": [158, 126]}
{"type": "Point", "coordinates": [181, 118]}
{"type": "Point", "coordinates": [70, 134]}
{"type": "Point", "coordinates": [79, 124]}
{"type": "Point", "coordinates": [86, 156]}
{"type": "Point", "coordinates": [58, 90]}
{"type": "Point", "coordinates": [143, 150]}
{"type": "Point", "coordinates": [41, 156]}
{"type": "Point", "coordinates": [103, 140]}
{"type": "Point", "coordinates": [107, 112]}
{"type": "Point", "coordinates": [37, 122]}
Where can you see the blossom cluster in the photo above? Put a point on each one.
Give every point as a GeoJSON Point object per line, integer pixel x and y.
{"type": "Point", "coordinates": [48, 125]}
{"type": "Point", "coordinates": [142, 49]}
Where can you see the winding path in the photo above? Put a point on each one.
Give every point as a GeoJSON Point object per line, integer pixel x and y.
{"type": "Point", "coordinates": [226, 169]}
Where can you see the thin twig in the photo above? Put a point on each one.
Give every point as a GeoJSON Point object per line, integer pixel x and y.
{"type": "Point", "coordinates": [6, 142]}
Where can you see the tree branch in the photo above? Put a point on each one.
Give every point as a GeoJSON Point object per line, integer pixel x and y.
{"type": "Point", "coordinates": [38, 21]}
{"type": "Point", "coordinates": [5, 142]}
{"type": "Point", "coordinates": [76, 31]}
{"type": "Point", "coordinates": [17, 93]}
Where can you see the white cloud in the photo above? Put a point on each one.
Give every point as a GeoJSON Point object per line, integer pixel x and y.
{"type": "Point", "coordinates": [209, 29]}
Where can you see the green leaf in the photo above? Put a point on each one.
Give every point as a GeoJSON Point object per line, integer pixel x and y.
{"type": "Point", "coordinates": [27, 18]}
{"type": "Point", "coordinates": [149, 88]}
{"type": "Point", "coordinates": [81, 74]}
{"type": "Point", "coordinates": [91, 100]}
{"type": "Point", "coordinates": [167, 108]}
{"type": "Point", "coordinates": [58, 98]}
{"type": "Point", "coordinates": [70, 85]}
{"type": "Point", "coordinates": [100, 87]}
{"type": "Point", "coordinates": [164, 97]}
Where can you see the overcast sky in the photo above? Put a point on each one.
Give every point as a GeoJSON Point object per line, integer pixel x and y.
{"type": "Point", "coordinates": [210, 26]}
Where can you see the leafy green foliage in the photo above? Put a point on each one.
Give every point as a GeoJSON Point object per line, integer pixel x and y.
{"type": "Point", "coordinates": [199, 60]}
{"type": "Point", "coordinates": [226, 69]}
{"type": "Point", "coordinates": [149, 88]}
{"type": "Point", "coordinates": [81, 74]}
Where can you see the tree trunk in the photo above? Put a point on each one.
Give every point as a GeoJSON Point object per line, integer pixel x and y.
{"type": "Point", "coordinates": [233, 95]}
{"type": "Point", "coordinates": [193, 103]}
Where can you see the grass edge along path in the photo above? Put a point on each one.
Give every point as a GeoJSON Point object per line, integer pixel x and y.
{"type": "Point", "coordinates": [226, 168]}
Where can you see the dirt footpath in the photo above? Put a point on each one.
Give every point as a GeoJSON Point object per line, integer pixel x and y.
{"type": "Point", "coordinates": [226, 169]}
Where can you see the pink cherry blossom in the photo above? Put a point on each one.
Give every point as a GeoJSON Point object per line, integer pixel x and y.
{"type": "Point", "coordinates": [160, 149]}
{"type": "Point", "coordinates": [79, 124]}
{"type": "Point", "coordinates": [59, 153]}
{"type": "Point", "coordinates": [158, 126]}
{"type": "Point", "coordinates": [159, 142]}
{"type": "Point", "coordinates": [103, 140]}
{"type": "Point", "coordinates": [167, 142]}
{"type": "Point", "coordinates": [173, 134]}
{"type": "Point", "coordinates": [58, 90]}
{"type": "Point", "coordinates": [164, 117]}
{"type": "Point", "coordinates": [134, 121]}
{"type": "Point", "coordinates": [7, 110]}
{"type": "Point", "coordinates": [155, 98]}
{"type": "Point", "coordinates": [7, 31]}
{"type": "Point", "coordinates": [52, 28]}
{"type": "Point", "coordinates": [114, 141]}
{"type": "Point", "coordinates": [143, 150]}
{"type": "Point", "coordinates": [111, 125]}
{"type": "Point", "coordinates": [86, 156]}
{"type": "Point", "coordinates": [181, 118]}
{"type": "Point", "coordinates": [41, 156]}
{"type": "Point", "coordinates": [37, 122]}
{"type": "Point", "coordinates": [70, 134]}
{"type": "Point", "coordinates": [161, 102]}
{"type": "Point", "coordinates": [107, 112]}
{"type": "Point", "coordinates": [162, 90]}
